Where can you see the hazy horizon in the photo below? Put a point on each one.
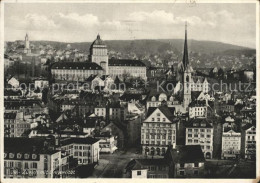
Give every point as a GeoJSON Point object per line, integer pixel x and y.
{"type": "Point", "coordinates": [77, 22]}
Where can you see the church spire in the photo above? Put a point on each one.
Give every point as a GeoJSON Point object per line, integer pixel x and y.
{"type": "Point", "coordinates": [185, 59]}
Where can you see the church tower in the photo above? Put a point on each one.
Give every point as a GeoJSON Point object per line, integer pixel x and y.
{"type": "Point", "coordinates": [27, 44]}
{"type": "Point", "coordinates": [98, 54]}
{"type": "Point", "coordinates": [186, 74]}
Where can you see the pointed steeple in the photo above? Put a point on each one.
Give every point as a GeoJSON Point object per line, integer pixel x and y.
{"type": "Point", "coordinates": [185, 59]}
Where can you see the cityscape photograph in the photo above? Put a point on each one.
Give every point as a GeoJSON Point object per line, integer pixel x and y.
{"type": "Point", "coordinates": [130, 90]}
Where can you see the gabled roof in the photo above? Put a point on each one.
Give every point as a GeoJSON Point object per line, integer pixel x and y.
{"type": "Point", "coordinates": [76, 65]}
{"type": "Point", "coordinates": [201, 123]}
{"type": "Point", "coordinates": [167, 111]}
{"type": "Point", "coordinates": [187, 154]}
{"type": "Point", "coordinates": [87, 140]}
{"type": "Point", "coordinates": [125, 62]}
{"type": "Point", "coordinates": [141, 164]}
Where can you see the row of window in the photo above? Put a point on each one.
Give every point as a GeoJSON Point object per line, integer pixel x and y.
{"type": "Point", "coordinates": [158, 142]}
{"type": "Point", "coordinates": [158, 131]}
{"type": "Point", "coordinates": [19, 156]}
{"type": "Point", "coordinates": [201, 135]}
{"type": "Point", "coordinates": [190, 141]}
{"type": "Point", "coordinates": [201, 130]}
{"type": "Point", "coordinates": [27, 165]}
{"type": "Point", "coordinates": [156, 124]}
{"type": "Point", "coordinates": [159, 136]}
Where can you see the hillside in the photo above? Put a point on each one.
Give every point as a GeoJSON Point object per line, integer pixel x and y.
{"type": "Point", "coordinates": [154, 46]}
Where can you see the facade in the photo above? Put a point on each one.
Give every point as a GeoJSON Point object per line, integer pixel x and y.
{"type": "Point", "coordinates": [107, 143]}
{"type": "Point", "coordinates": [41, 83]}
{"type": "Point", "coordinates": [158, 130]}
{"type": "Point", "coordinates": [186, 162]}
{"type": "Point", "coordinates": [99, 54]}
{"type": "Point", "coordinates": [231, 144]}
{"type": "Point", "coordinates": [123, 68]}
{"type": "Point", "coordinates": [198, 109]}
{"type": "Point", "coordinates": [115, 67]}
{"type": "Point", "coordinates": [84, 150]}
{"type": "Point", "coordinates": [75, 71]}
{"type": "Point", "coordinates": [30, 158]}
{"type": "Point", "coordinates": [200, 132]}
{"type": "Point", "coordinates": [9, 124]}
{"type": "Point", "coordinates": [248, 142]}
{"type": "Point", "coordinates": [147, 168]}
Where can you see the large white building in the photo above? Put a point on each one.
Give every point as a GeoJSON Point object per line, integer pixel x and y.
{"type": "Point", "coordinates": [200, 132]}
{"type": "Point", "coordinates": [158, 130]}
{"type": "Point", "coordinates": [248, 141]}
{"type": "Point", "coordinates": [231, 143]}
{"type": "Point", "coordinates": [115, 67]}
{"type": "Point", "coordinates": [75, 71]}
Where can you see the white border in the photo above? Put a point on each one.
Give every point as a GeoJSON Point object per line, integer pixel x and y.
{"type": "Point", "coordinates": [120, 180]}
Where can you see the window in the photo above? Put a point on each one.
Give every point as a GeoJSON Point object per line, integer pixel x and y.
{"type": "Point", "coordinates": [158, 114]}
{"type": "Point", "coordinates": [189, 140]}
{"type": "Point", "coordinates": [26, 156]}
{"type": "Point", "coordinates": [208, 136]}
{"type": "Point", "coordinates": [181, 172]}
{"type": "Point", "coordinates": [189, 130]}
{"type": "Point", "coordinates": [196, 141]}
{"type": "Point", "coordinates": [26, 165]}
{"type": "Point", "coordinates": [182, 165]}
{"type": "Point", "coordinates": [152, 119]}
{"type": "Point", "coordinates": [164, 119]}
{"type": "Point", "coordinates": [196, 164]}
{"type": "Point", "coordinates": [189, 135]}
{"type": "Point", "coordinates": [11, 155]}
{"type": "Point", "coordinates": [158, 119]}
{"type": "Point", "coordinates": [139, 172]}
{"type": "Point", "coordinates": [34, 156]}
{"type": "Point", "coordinates": [196, 172]}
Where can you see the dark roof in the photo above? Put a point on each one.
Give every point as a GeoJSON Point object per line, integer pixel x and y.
{"type": "Point", "coordinates": [27, 145]}
{"type": "Point", "coordinates": [167, 111]}
{"type": "Point", "coordinates": [247, 126]}
{"type": "Point", "coordinates": [98, 41]}
{"type": "Point", "coordinates": [11, 115]}
{"type": "Point", "coordinates": [187, 154]}
{"type": "Point", "coordinates": [12, 93]}
{"type": "Point", "coordinates": [139, 164]}
{"type": "Point", "coordinates": [91, 77]}
{"type": "Point", "coordinates": [125, 62]}
{"type": "Point", "coordinates": [131, 96]}
{"type": "Point", "coordinates": [195, 95]}
{"type": "Point", "coordinates": [87, 140]}
{"type": "Point", "coordinates": [76, 65]}
{"type": "Point", "coordinates": [199, 121]}
{"type": "Point", "coordinates": [198, 103]}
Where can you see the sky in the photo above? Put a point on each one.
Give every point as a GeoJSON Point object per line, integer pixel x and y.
{"type": "Point", "coordinates": [81, 22]}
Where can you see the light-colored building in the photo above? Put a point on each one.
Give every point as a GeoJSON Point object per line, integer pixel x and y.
{"type": "Point", "coordinates": [198, 109]}
{"type": "Point", "coordinates": [200, 132]}
{"type": "Point", "coordinates": [85, 150]}
{"type": "Point", "coordinates": [75, 71]}
{"type": "Point", "coordinates": [124, 68]}
{"type": "Point", "coordinates": [248, 142]}
{"type": "Point", "coordinates": [158, 130]}
{"type": "Point", "coordinates": [107, 142]}
{"type": "Point", "coordinates": [41, 83]}
{"type": "Point", "coordinates": [30, 158]}
{"type": "Point", "coordinates": [147, 168]}
{"type": "Point", "coordinates": [115, 67]}
{"type": "Point", "coordinates": [231, 143]}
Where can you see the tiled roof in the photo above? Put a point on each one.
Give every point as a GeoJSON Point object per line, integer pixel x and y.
{"type": "Point", "coordinates": [76, 65]}
{"type": "Point", "coordinates": [125, 62]}
{"type": "Point", "coordinates": [199, 123]}
{"type": "Point", "coordinates": [187, 154]}
{"type": "Point", "coordinates": [87, 140]}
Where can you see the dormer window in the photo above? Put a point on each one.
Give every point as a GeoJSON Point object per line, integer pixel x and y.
{"type": "Point", "coordinates": [5, 155]}
{"type": "Point", "coordinates": [34, 156]}
{"type": "Point", "coordinates": [195, 124]}
{"type": "Point", "coordinates": [26, 156]}
{"type": "Point", "coordinates": [11, 155]}
{"type": "Point", "coordinates": [19, 156]}
{"type": "Point", "coordinates": [203, 124]}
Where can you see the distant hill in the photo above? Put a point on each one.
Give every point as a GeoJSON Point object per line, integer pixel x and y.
{"type": "Point", "coordinates": [156, 46]}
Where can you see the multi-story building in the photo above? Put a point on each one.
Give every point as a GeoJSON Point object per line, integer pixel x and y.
{"type": "Point", "coordinates": [248, 142]}
{"type": "Point", "coordinates": [107, 142]}
{"type": "Point", "coordinates": [117, 111]}
{"type": "Point", "coordinates": [9, 124]}
{"type": "Point", "coordinates": [185, 161]}
{"type": "Point", "coordinates": [84, 150]}
{"type": "Point", "coordinates": [198, 109]}
{"type": "Point", "coordinates": [200, 132]}
{"type": "Point", "coordinates": [147, 168]}
{"type": "Point", "coordinates": [123, 68]}
{"type": "Point", "coordinates": [30, 158]}
{"type": "Point", "coordinates": [161, 98]}
{"type": "Point", "coordinates": [231, 143]}
{"type": "Point", "coordinates": [158, 130]}
{"type": "Point", "coordinates": [115, 67]}
{"type": "Point", "coordinates": [75, 71]}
